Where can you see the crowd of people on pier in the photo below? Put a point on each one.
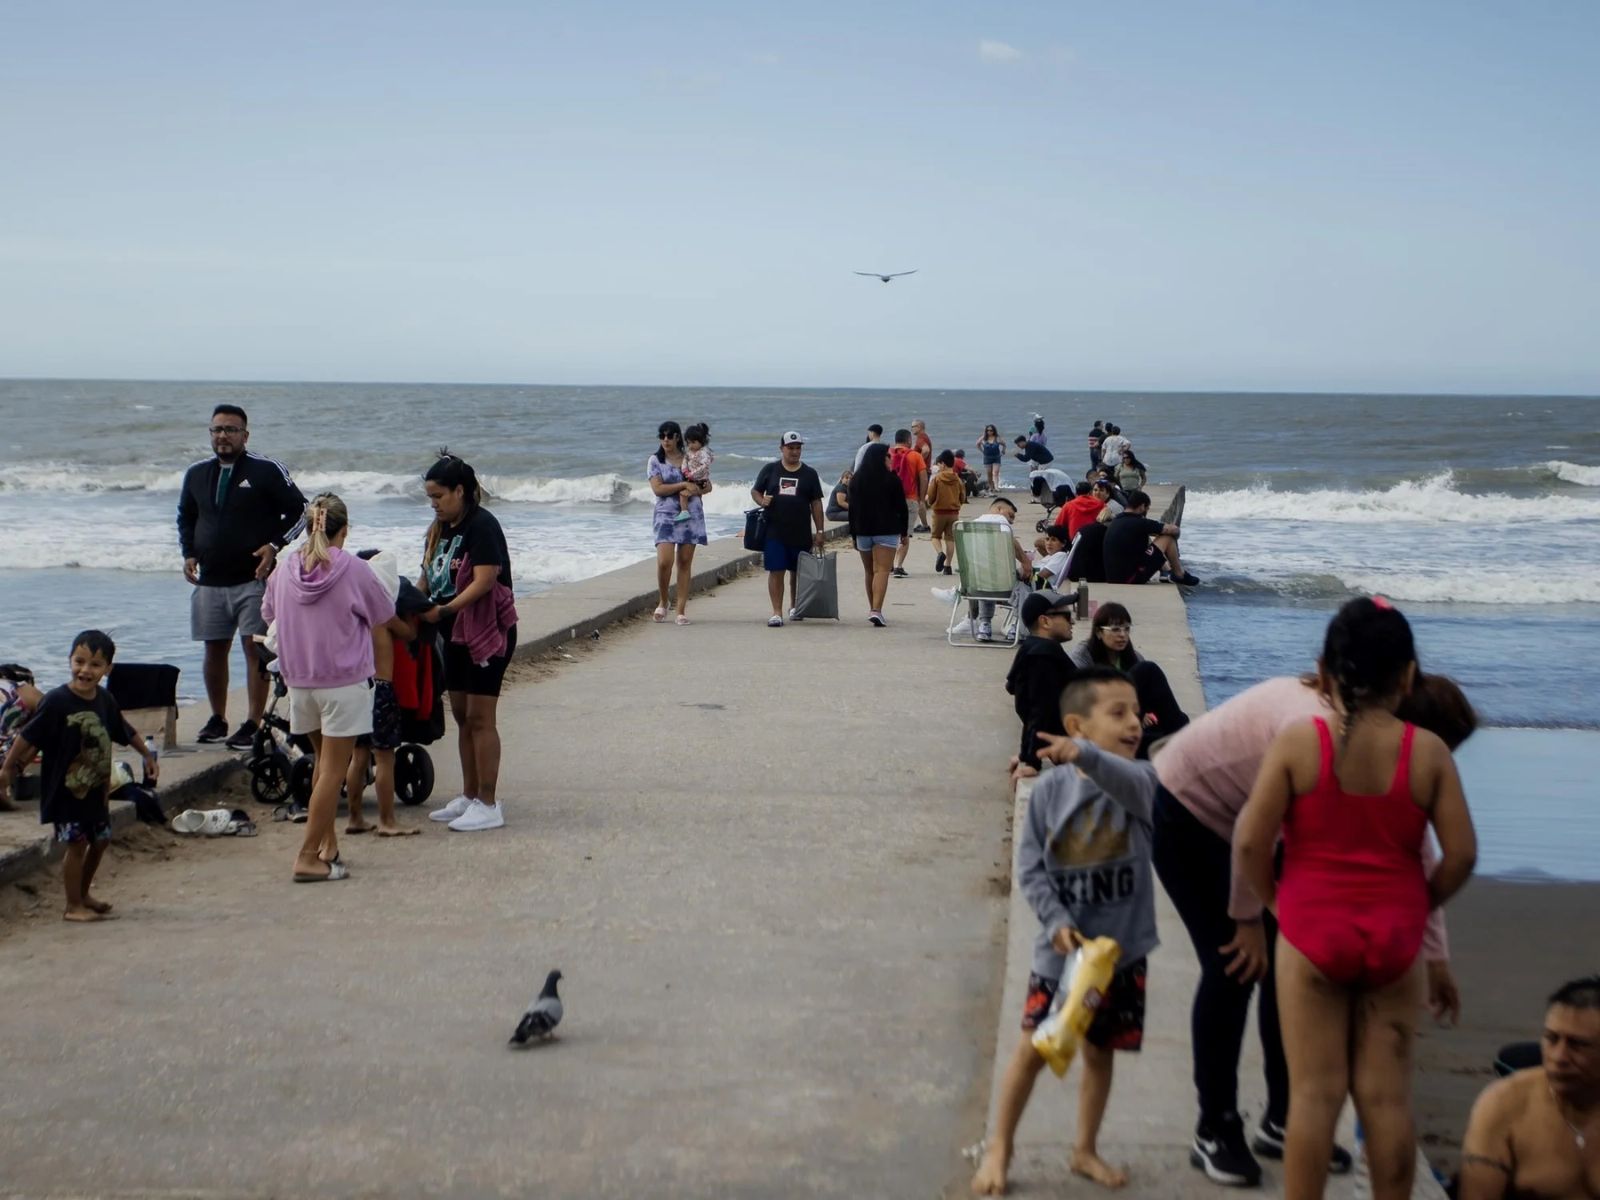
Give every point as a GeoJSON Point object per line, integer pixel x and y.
{"type": "Point", "coordinates": [1308, 831]}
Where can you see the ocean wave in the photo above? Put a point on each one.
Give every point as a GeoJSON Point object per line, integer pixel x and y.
{"type": "Point", "coordinates": [607, 488]}
{"type": "Point", "coordinates": [1443, 586]}
{"type": "Point", "coordinates": [1575, 473]}
{"type": "Point", "coordinates": [1431, 501]}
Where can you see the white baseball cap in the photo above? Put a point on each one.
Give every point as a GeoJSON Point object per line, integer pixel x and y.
{"type": "Point", "coordinates": [792, 439]}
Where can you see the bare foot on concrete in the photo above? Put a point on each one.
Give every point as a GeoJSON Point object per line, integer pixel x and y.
{"type": "Point", "coordinates": [355, 827]}
{"type": "Point", "coordinates": [95, 904]}
{"type": "Point", "coordinates": [391, 829]}
{"type": "Point", "coordinates": [1097, 1170]}
{"type": "Point", "coordinates": [81, 915]}
{"type": "Point", "coordinates": [990, 1179]}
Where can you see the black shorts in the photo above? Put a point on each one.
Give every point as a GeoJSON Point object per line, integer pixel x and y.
{"type": "Point", "coordinates": [1119, 1022]}
{"type": "Point", "coordinates": [385, 733]}
{"type": "Point", "coordinates": [461, 674]}
{"type": "Point", "coordinates": [1147, 567]}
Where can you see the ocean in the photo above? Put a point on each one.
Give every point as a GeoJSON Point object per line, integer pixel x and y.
{"type": "Point", "coordinates": [1479, 516]}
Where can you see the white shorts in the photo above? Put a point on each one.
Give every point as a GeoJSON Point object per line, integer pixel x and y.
{"type": "Point", "coordinates": [335, 712]}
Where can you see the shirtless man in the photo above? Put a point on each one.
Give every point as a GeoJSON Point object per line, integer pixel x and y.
{"type": "Point", "coordinates": [1536, 1134]}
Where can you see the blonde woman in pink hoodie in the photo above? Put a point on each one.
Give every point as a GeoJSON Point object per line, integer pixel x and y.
{"type": "Point", "coordinates": [326, 603]}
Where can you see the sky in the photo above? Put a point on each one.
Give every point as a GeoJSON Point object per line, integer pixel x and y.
{"type": "Point", "coordinates": [1228, 195]}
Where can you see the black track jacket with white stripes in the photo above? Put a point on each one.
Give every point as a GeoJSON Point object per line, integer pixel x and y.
{"type": "Point", "coordinates": [262, 505]}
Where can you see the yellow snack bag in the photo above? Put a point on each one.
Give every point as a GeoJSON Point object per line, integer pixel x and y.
{"type": "Point", "coordinates": [1058, 1035]}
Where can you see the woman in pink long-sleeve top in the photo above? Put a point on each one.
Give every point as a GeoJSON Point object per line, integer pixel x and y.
{"type": "Point", "coordinates": [1206, 774]}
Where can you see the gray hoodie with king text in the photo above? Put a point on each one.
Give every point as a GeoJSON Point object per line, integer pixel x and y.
{"type": "Point", "coordinates": [1083, 855]}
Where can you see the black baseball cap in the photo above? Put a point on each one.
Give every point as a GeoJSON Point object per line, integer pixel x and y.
{"type": "Point", "coordinates": [1044, 604]}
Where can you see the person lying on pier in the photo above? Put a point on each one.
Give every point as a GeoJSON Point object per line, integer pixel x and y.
{"type": "Point", "coordinates": [1083, 862]}
{"type": "Point", "coordinates": [1040, 672]}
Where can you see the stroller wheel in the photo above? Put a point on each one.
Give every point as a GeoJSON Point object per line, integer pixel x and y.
{"type": "Point", "coordinates": [269, 778]}
{"type": "Point", "coordinates": [300, 773]}
{"type": "Point", "coordinates": [413, 774]}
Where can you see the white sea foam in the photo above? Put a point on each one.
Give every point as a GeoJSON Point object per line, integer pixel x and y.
{"type": "Point", "coordinates": [1430, 501]}
{"type": "Point", "coordinates": [1587, 476]}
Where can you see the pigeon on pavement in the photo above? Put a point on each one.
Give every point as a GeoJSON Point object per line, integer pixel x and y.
{"type": "Point", "coordinates": [543, 1015]}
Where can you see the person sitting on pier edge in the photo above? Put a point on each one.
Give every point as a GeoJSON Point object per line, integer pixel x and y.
{"type": "Point", "coordinates": [1110, 644]}
{"type": "Point", "coordinates": [1040, 671]}
{"type": "Point", "coordinates": [1137, 548]}
{"type": "Point", "coordinates": [1533, 1133]}
{"type": "Point", "coordinates": [1081, 510]}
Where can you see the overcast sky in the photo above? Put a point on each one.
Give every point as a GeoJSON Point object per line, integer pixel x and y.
{"type": "Point", "coordinates": [1188, 195]}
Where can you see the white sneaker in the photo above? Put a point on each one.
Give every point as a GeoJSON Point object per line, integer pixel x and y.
{"type": "Point", "coordinates": [985, 633]}
{"type": "Point", "coordinates": [479, 816]}
{"type": "Point", "coordinates": [944, 595]}
{"type": "Point", "coordinates": [962, 628]}
{"type": "Point", "coordinates": [451, 811]}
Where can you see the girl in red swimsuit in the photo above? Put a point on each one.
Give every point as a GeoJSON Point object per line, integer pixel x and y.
{"type": "Point", "coordinates": [1353, 805]}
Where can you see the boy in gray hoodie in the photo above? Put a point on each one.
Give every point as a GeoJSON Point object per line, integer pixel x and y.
{"type": "Point", "coordinates": [1083, 862]}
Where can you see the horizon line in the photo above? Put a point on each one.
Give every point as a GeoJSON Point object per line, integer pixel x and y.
{"type": "Point", "coordinates": [1350, 393]}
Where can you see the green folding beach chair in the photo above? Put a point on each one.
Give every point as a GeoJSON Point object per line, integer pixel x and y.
{"type": "Point", "coordinates": [986, 562]}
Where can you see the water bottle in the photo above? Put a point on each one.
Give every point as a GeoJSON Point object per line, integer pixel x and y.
{"type": "Point", "coordinates": [155, 756]}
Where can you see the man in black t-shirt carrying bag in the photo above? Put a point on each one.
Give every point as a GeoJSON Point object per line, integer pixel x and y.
{"type": "Point", "coordinates": [791, 492]}
{"type": "Point", "coordinates": [1137, 547]}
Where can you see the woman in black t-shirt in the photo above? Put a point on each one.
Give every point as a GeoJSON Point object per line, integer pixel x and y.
{"type": "Point", "coordinates": [464, 531]}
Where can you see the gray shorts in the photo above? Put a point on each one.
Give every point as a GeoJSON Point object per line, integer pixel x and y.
{"type": "Point", "coordinates": [217, 613]}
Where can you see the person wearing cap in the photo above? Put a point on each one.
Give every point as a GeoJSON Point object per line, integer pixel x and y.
{"type": "Point", "coordinates": [1039, 673]}
{"type": "Point", "coordinates": [791, 492]}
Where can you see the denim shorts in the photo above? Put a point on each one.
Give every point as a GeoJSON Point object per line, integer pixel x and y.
{"type": "Point", "coordinates": [888, 540]}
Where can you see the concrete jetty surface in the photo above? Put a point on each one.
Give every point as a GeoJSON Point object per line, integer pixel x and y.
{"type": "Point", "coordinates": [774, 866]}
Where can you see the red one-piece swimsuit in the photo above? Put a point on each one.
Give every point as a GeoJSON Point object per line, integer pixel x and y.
{"type": "Point", "coordinates": [1353, 897]}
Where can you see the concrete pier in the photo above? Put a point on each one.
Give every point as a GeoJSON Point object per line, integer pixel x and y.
{"type": "Point", "coordinates": [774, 865]}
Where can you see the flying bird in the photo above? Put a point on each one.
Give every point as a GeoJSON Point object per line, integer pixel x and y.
{"type": "Point", "coordinates": [543, 1015]}
{"type": "Point", "coordinates": [886, 278]}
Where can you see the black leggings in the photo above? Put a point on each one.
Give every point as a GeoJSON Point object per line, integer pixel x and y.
{"type": "Point", "coordinates": [1195, 866]}
{"type": "Point", "coordinates": [1155, 696]}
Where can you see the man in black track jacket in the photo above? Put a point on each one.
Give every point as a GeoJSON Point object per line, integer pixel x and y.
{"type": "Point", "coordinates": [235, 512]}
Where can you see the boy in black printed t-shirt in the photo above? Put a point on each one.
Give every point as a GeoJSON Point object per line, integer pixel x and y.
{"type": "Point", "coordinates": [74, 726]}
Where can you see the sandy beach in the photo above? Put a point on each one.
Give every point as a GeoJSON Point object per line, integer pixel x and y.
{"type": "Point", "coordinates": [1511, 945]}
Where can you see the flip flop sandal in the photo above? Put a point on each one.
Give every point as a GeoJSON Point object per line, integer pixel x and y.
{"type": "Point", "coordinates": [659, 615]}
{"type": "Point", "coordinates": [336, 871]}
{"type": "Point", "coordinates": [240, 825]}
{"type": "Point", "coordinates": [212, 822]}
{"type": "Point", "coordinates": [684, 621]}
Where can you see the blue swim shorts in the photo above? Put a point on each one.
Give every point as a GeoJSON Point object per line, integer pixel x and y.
{"type": "Point", "coordinates": [778, 557]}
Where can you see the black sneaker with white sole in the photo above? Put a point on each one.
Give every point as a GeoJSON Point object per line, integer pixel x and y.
{"type": "Point", "coordinates": [1219, 1150]}
{"type": "Point", "coordinates": [1268, 1142]}
{"type": "Point", "coordinates": [214, 730]}
{"type": "Point", "coordinates": [243, 737]}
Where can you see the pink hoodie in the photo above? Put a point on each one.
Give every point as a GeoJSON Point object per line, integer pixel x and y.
{"type": "Point", "coordinates": [325, 619]}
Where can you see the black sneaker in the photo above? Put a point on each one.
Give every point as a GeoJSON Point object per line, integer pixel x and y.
{"type": "Point", "coordinates": [1187, 579]}
{"type": "Point", "coordinates": [214, 730]}
{"type": "Point", "coordinates": [900, 573]}
{"type": "Point", "coordinates": [243, 737]}
{"type": "Point", "coordinates": [1268, 1142]}
{"type": "Point", "coordinates": [1220, 1152]}
{"type": "Point", "coordinates": [938, 563]}
{"type": "Point", "coordinates": [299, 813]}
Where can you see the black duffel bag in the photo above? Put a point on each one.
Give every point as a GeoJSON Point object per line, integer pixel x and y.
{"type": "Point", "coordinates": [755, 529]}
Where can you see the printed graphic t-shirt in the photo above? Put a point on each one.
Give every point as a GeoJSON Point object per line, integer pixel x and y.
{"type": "Point", "coordinates": [477, 536]}
{"type": "Point", "coordinates": [792, 492]}
{"type": "Point", "coordinates": [74, 736]}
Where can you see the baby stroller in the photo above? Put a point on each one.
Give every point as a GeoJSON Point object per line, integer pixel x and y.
{"type": "Point", "coordinates": [276, 755]}
{"type": "Point", "coordinates": [283, 764]}
{"type": "Point", "coordinates": [1052, 504]}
